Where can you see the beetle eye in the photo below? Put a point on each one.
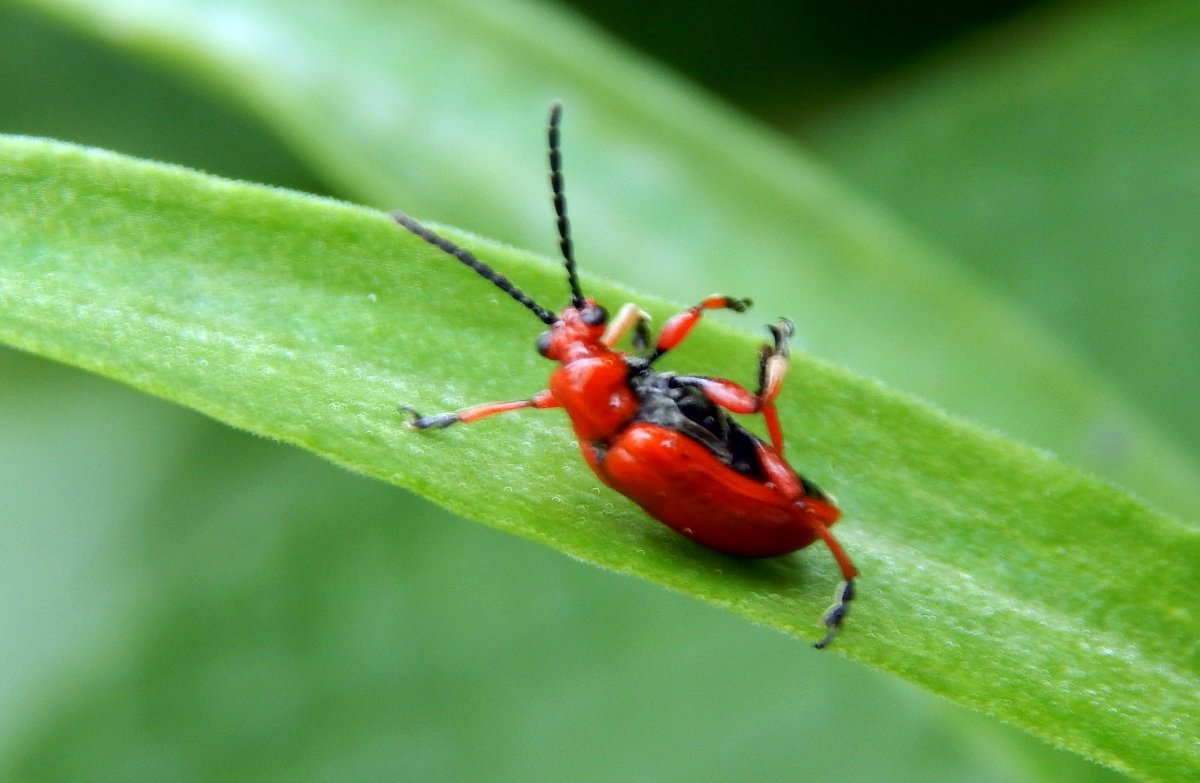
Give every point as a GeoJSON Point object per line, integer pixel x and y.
{"type": "Point", "coordinates": [542, 343]}
{"type": "Point", "coordinates": [594, 315]}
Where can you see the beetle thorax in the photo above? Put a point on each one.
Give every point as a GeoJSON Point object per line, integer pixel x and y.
{"type": "Point", "coordinates": [594, 391]}
{"type": "Point", "coordinates": [591, 383]}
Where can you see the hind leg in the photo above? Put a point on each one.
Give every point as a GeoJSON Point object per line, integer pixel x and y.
{"type": "Point", "coordinates": [816, 515]}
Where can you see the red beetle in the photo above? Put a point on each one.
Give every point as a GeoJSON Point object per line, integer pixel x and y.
{"type": "Point", "coordinates": [667, 441]}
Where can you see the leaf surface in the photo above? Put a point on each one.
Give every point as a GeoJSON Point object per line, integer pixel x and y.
{"type": "Point", "coordinates": [992, 574]}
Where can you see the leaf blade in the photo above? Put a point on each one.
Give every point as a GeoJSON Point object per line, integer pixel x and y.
{"type": "Point", "coordinates": [306, 320]}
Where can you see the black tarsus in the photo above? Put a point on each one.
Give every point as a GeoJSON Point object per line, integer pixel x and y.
{"type": "Point", "coordinates": [781, 332]}
{"type": "Point", "coordinates": [560, 204]}
{"type": "Point", "coordinates": [641, 337]}
{"type": "Point", "coordinates": [418, 421]}
{"type": "Point", "coordinates": [482, 269]}
{"type": "Point", "coordinates": [836, 614]}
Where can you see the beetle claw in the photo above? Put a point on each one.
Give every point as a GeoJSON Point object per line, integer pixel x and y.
{"type": "Point", "coordinates": [419, 422]}
{"type": "Point", "coordinates": [836, 614]}
{"type": "Point", "coordinates": [782, 332]}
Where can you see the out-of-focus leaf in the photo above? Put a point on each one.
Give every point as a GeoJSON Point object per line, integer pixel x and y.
{"type": "Point", "coordinates": [1061, 158]}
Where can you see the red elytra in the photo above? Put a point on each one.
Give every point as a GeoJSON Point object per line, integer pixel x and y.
{"type": "Point", "coordinates": [664, 440]}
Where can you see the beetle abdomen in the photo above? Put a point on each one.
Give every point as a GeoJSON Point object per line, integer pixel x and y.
{"type": "Point", "coordinates": [682, 484]}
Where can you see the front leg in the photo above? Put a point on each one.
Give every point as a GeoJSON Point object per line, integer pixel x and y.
{"type": "Point", "coordinates": [543, 399]}
{"type": "Point", "coordinates": [629, 316]}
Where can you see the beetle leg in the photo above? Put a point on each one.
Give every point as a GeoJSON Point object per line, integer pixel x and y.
{"type": "Point", "coordinates": [725, 393]}
{"type": "Point", "coordinates": [815, 516]}
{"type": "Point", "coordinates": [772, 365]}
{"type": "Point", "coordinates": [772, 361]}
{"type": "Point", "coordinates": [437, 421]}
{"type": "Point", "coordinates": [677, 326]}
{"type": "Point", "coordinates": [630, 315]}
{"type": "Point", "coordinates": [641, 337]}
{"type": "Point", "coordinates": [837, 613]}
{"type": "Point", "coordinates": [735, 398]}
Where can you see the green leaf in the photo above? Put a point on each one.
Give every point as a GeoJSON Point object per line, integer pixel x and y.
{"type": "Point", "coordinates": [991, 574]}
{"type": "Point", "coordinates": [183, 601]}
{"type": "Point", "coordinates": [438, 106]}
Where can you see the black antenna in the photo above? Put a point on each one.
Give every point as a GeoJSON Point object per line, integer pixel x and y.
{"type": "Point", "coordinates": [482, 269]}
{"type": "Point", "coordinates": [560, 204]}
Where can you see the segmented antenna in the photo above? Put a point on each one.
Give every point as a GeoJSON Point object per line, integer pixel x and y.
{"type": "Point", "coordinates": [560, 205]}
{"type": "Point", "coordinates": [482, 269]}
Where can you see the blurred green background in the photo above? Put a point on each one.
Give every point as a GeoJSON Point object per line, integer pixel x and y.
{"type": "Point", "coordinates": [179, 601]}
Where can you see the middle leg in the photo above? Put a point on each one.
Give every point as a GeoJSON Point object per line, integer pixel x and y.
{"type": "Point", "coordinates": [438, 421]}
{"type": "Point", "coordinates": [772, 365]}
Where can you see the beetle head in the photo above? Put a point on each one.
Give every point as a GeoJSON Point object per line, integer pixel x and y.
{"type": "Point", "coordinates": [576, 332]}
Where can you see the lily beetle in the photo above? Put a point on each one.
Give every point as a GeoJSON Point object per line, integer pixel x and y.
{"type": "Point", "coordinates": [666, 441]}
